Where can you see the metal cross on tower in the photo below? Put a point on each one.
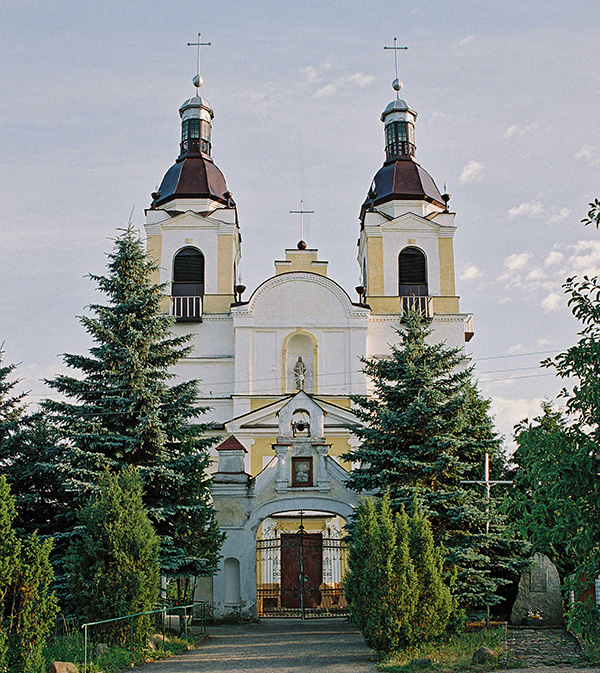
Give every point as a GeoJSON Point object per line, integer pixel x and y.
{"type": "Point", "coordinates": [302, 213]}
{"type": "Point", "coordinates": [396, 84]}
{"type": "Point", "coordinates": [197, 81]}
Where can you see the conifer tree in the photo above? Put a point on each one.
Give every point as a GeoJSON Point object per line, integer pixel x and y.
{"type": "Point", "coordinates": [123, 409]}
{"type": "Point", "coordinates": [425, 430]}
{"type": "Point", "coordinates": [27, 607]}
{"type": "Point", "coordinates": [113, 564]}
{"type": "Point", "coordinates": [435, 603]}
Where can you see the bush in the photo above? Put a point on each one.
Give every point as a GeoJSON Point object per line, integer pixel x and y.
{"type": "Point", "coordinates": [113, 565]}
{"type": "Point", "coordinates": [27, 607]}
{"type": "Point", "coordinates": [395, 587]}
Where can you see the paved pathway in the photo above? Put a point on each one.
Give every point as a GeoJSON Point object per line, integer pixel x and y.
{"type": "Point", "coordinates": [546, 651]}
{"type": "Point", "coordinates": [275, 646]}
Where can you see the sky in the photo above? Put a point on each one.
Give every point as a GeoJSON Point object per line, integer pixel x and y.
{"type": "Point", "coordinates": [507, 95]}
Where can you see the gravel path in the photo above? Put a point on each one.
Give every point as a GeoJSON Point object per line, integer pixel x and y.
{"type": "Point", "coordinates": [275, 646]}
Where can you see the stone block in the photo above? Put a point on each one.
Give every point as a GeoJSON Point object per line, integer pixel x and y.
{"type": "Point", "coordinates": [539, 594]}
{"type": "Point", "coordinates": [61, 667]}
{"type": "Point", "coordinates": [484, 656]}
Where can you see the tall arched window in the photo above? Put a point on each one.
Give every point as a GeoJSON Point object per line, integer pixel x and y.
{"type": "Point", "coordinates": [187, 288]}
{"type": "Point", "coordinates": [412, 280]}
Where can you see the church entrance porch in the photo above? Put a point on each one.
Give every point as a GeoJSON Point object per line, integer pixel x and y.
{"type": "Point", "coordinates": [300, 570]}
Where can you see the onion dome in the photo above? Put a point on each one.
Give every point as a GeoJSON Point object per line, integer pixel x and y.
{"type": "Point", "coordinates": [401, 177]}
{"type": "Point", "coordinates": [194, 174]}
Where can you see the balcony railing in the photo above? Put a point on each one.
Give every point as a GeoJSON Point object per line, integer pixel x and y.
{"type": "Point", "coordinates": [424, 305]}
{"type": "Point", "coordinates": [187, 309]}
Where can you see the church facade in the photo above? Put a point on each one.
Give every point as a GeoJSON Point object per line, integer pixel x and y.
{"type": "Point", "coordinates": [278, 364]}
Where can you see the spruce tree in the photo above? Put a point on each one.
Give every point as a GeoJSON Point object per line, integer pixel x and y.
{"type": "Point", "coordinates": [424, 430]}
{"type": "Point", "coordinates": [113, 564]}
{"type": "Point", "coordinates": [122, 408]}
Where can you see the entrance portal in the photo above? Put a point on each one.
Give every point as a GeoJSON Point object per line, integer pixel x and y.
{"type": "Point", "coordinates": [300, 574]}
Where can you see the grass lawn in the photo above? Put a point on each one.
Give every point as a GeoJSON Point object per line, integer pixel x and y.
{"type": "Point", "coordinates": [69, 647]}
{"type": "Point", "coordinates": [453, 653]}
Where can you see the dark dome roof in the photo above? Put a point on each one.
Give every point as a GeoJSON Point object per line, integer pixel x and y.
{"type": "Point", "coordinates": [405, 180]}
{"type": "Point", "coordinates": [192, 177]}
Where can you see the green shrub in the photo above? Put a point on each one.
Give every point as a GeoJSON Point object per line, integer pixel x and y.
{"type": "Point", "coordinates": [27, 607]}
{"type": "Point", "coordinates": [113, 565]}
{"type": "Point", "coordinates": [395, 587]}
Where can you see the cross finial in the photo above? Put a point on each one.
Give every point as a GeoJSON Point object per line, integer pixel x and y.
{"type": "Point", "coordinates": [302, 213]}
{"type": "Point", "coordinates": [396, 84]}
{"type": "Point", "coordinates": [197, 81]}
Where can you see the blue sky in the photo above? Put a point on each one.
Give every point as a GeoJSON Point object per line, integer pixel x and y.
{"type": "Point", "coordinates": [507, 95]}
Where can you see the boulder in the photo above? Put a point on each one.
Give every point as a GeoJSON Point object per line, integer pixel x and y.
{"type": "Point", "coordinates": [156, 640]}
{"type": "Point", "coordinates": [61, 667]}
{"type": "Point", "coordinates": [484, 656]}
{"type": "Point", "coordinates": [100, 649]}
{"type": "Point", "coordinates": [539, 594]}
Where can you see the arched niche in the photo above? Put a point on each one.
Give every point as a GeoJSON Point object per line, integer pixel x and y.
{"type": "Point", "coordinates": [300, 360]}
{"type": "Point", "coordinates": [231, 580]}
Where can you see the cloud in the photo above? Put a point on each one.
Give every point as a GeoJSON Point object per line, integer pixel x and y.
{"type": "Point", "coordinates": [327, 90]}
{"type": "Point", "coordinates": [517, 261]}
{"type": "Point", "coordinates": [562, 214]}
{"type": "Point", "coordinates": [541, 343]}
{"type": "Point", "coordinates": [472, 172]}
{"type": "Point", "coordinates": [357, 79]}
{"type": "Point", "coordinates": [466, 40]}
{"type": "Point", "coordinates": [589, 153]}
{"type": "Point", "coordinates": [313, 74]}
{"type": "Point", "coordinates": [554, 257]}
{"type": "Point", "coordinates": [584, 259]}
{"type": "Point", "coordinates": [553, 302]}
{"type": "Point", "coordinates": [508, 412]}
{"type": "Point", "coordinates": [517, 130]}
{"type": "Point", "coordinates": [517, 348]}
{"type": "Point", "coordinates": [471, 272]}
{"type": "Point", "coordinates": [527, 209]}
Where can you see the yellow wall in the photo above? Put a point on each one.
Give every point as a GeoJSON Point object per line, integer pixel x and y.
{"type": "Point", "coordinates": [217, 303]}
{"type": "Point", "coordinates": [225, 257]}
{"type": "Point", "coordinates": [154, 249]}
{"type": "Point", "coordinates": [374, 266]}
{"type": "Point", "coordinates": [263, 446]}
{"type": "Point", "coordinates": [446, 251]}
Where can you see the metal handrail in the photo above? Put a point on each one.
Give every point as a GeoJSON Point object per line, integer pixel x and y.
{"type": "Point", "coordinates": [131, 617]}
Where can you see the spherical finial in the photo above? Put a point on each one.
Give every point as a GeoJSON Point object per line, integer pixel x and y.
{"type": "Point", "coordinates": [301, 245]}
{"type": "Point", "coordinates": [396, 84]}
{"type": "Point", "coordinates": [197, 81]}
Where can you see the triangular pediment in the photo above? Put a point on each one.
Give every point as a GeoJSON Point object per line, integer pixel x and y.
{"type": "Point", "coordinates": [267, 417]}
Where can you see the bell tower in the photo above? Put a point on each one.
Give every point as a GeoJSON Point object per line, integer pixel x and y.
{"type": "Point", "coordinates": [192, 224]}
{"type": "Point", "coordinates": [405, 248]}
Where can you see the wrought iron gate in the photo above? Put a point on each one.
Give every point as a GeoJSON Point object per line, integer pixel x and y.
{"type": "Point", "coordinates": [301, 575]}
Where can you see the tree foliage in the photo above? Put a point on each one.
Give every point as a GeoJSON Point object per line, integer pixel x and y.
{"type": "Point", "coordinates": [395, 586]}
{"type": "Point", "coordinates": [424, 431]}
{"type": "Point", "coordinates": [122, 408]}
{"type": "Point", "coordinates": [556, 501]}
{"type": "Point", "coordinates": [27, 607]}
{"type": "Point", "coordinates": [113, 564]}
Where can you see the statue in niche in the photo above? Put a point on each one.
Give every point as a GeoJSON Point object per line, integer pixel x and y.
{"type": "Point", "coordinates": [300, 373]}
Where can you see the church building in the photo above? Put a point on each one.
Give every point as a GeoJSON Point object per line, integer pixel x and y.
{"type": "Point", "coordinates": [279, 362]}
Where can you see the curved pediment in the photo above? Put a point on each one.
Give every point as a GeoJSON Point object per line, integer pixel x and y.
{"type": "Point", "coordinates": [302, 297]}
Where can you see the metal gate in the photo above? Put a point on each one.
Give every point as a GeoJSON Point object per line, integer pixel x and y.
{"type": "Point", "coordinates": [301, 575]}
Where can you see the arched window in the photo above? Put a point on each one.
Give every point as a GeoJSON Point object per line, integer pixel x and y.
{"type": "Point", "coordinates": [412, 280]}
{"type": "Point", "coordinates": [187, 288]}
